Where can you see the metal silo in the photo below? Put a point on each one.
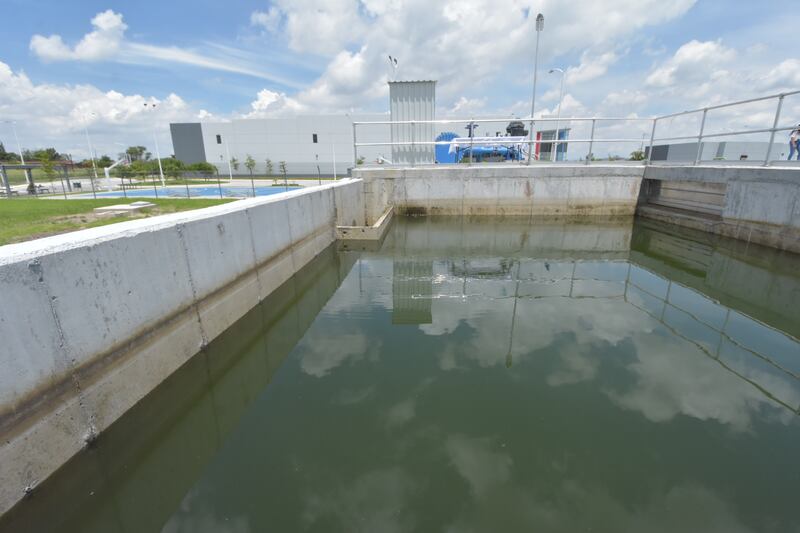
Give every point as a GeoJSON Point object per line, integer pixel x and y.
{"type": "Point", "coordinates": [412, 100]}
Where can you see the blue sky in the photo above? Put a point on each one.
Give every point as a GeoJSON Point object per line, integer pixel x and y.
{"type": "Point", "coordinates": [66, 65]}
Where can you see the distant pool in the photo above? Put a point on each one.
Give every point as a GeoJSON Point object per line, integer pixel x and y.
{"type": "Point", "coordinates": [194, 192]}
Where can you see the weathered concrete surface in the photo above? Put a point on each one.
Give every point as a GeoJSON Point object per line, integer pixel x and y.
{"type": "Point", "coordinates": [503, 190]}
{"type": "Point", "coordinates": [375, 232]}
{"type": "Point", "coordinates": [754, 204]}
{"type": "Point", "coordinates": [186, 419]}
{"type": "Point", "coordinates": [93, 320]}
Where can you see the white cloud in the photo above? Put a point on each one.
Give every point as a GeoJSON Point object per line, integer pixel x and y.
{"type": "Point", "coordinates": [55, 115]}
{"type": "Point", "coordinates": [694, 60]}
{"type": "Point", "coordinates": [101, 43]}
{"type": "Point", "coordinates": [591, 67]}
{"type": "Point", "coordinates": [107, 42]}
{"type": "Point", "coordinates": [269, 20]}
{"type": "Point", "coordinates": [270, 103]}
{"type": "Point", "coordinates": [466, 45]}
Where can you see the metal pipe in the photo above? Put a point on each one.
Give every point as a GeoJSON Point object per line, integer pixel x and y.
{"type": "Point", "coordinates": [502, 143]}
{"type": "Point", "coordinates": [554, 155]}
{"type": "Point", "coordinates": [652, 136]}
{"type": "Point", "coordinates": [699, 154]}
{"type": "Point", "coordinates": [503, 119]}
{"type": "Point", "coordinates": [591, 144]}
{"type": "Point", "coordinates": [730, 104]}
{"type": "Point", "coordinates": [355, 146]}
{"type": "Point", "coordinates": [772, 133]}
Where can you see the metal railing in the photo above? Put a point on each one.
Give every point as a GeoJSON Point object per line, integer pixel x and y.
{"type": "Point", "coordinates": [555, 143]}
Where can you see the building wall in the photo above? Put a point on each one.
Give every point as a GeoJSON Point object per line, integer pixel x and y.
{"type": "Point", "coordinates": [187, 142]}
{"type": "Point", "coordinates": [288, 139]}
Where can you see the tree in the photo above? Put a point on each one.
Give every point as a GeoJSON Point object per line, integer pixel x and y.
{"type": "Point", "coordinates": [637, 155]}
{"type": "Point", "coordinates": [282, 166]}
{"type": "Point", "coordinates": [172, 167]}
{"type": "Point", "coordinates": [250, 163]}
{"type": "Point", "coordinates": [137, 153]}
{"type": "Point", "coordinates": [7, 156]}
{"type": "Point", "coordinates": [235, 164]}
{"type": "Point", "coordinates": [47, 165]}
{"type": "Point", "coordinates": [360, 161]}
{"type": "Point", "coordinates": [49, 153]}
{"type": "Point", "coordinates": [104, 161]}
{"type": "Point", "coordinates": [269, 167]}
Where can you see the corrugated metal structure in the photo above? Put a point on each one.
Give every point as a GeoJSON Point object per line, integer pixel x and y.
{"type": "Point", "coordinates": [412, 100]}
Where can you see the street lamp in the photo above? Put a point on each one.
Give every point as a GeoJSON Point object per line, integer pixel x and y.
{"type": "Point", "coordinates": [539, 29]}
{"type": "Point", "coordinates": [558, 113]}
{"type": "Point", "coordinates": [19, 146]}
{"type": "Point", "coordinates": [152, 107]}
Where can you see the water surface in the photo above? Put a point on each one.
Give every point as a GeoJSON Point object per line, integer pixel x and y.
{"type": "Point", "coordinates": [486, 375]}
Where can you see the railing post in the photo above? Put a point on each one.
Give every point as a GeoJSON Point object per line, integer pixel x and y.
{"type": "Point", "coordinates": [700, 138]}
{"type": "Point", "coordinates": [591, 143]}
{"type": "Point", "coordinates": [471, 137]}
{"type": "Point", "coordinates": [530, 143]}
{"type": "Point", "coordinates": [774, 126]}
{"type": "Point", "coordinates": [355, 147]}
{"type": "Point", "coordinates": [652, 138]}
{"type": "Point", "coordinates": [413, 140]}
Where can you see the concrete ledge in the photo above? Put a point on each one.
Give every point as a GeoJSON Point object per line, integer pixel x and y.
{"type": "Point", "coordinates": [375, 232]}
{"type": "Point", "coordinates": [719, 174]}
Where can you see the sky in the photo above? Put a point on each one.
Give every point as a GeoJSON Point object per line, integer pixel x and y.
{"type": "Point", "coordinates": [93, 64]}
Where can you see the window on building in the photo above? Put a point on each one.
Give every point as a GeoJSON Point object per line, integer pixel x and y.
{"type": "Point", "coordinates": [219, 139]}
{"type": "Point", "coordinates": [314, 138]}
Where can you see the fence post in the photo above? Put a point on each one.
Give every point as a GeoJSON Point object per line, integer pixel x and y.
{"type": "Point", "coordinates": [652, 138]}
{"type": "Point", "coordinates": [700, 138]}
{"type": "Point", "coordinates": [591, 143]}
{"type": "Point", "coordinates": [772, 133]}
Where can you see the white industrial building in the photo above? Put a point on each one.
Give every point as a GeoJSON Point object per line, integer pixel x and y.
{"type": "Point", "coordinates": [303, 142]}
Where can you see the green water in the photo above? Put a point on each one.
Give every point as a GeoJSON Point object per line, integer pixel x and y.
{"type": "Point", "coordinates": [474, 376]}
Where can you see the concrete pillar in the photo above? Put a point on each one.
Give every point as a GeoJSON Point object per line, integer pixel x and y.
{"type": "Point", "coordinates": [29, 178]}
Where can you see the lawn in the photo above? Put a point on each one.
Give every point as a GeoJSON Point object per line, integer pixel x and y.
{"type": "Point", "coordinates": [23, 219]}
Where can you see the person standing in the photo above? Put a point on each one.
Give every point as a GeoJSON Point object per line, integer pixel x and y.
{"type": "Point", "coordinates": [794, 143]}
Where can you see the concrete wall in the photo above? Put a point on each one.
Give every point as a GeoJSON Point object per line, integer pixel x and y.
{"type": "Point", "coordinates": [755, 204]}
{"type": "Point", "coordinates": [183, 423]}
{"type": "Point", "coordinates": [551, 190]}
{"type": "Point", "coordinates": [93, 320]}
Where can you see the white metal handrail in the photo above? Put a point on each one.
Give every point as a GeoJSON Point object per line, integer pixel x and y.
{"type": "Point", "coordinates": [699, 137]}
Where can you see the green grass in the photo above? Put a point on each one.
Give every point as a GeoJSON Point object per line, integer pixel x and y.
{"type": "Point", "coordinates": [24, 219]}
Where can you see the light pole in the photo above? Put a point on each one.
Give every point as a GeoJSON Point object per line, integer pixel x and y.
{"type": "Point", "coordinates": [155, 141]}
{"type": "Point", "coordinates": [558, 113]}
{"type": "Point", "coordinates": [19, 146]}
{"type": "Point", "coordinates": [539, 29]}
{"type": "Point", "coordinates": [91, 150]}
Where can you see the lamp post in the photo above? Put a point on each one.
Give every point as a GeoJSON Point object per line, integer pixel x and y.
{"type": "Point", "coordinates": [19, 146]}
{"type": "Point", "coordinates": [91, 151]}
{"type": "Point", "coordinates": [558, 113]}
{"type": "Point", "coordinates": [539, 29]}
{"type": "Point", "coordinates": [152, 107]}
